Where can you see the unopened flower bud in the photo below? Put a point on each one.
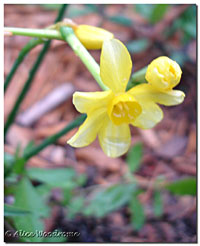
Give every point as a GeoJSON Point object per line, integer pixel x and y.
{"type": "Point", "coordinates": [92, 37]}
{"type": "Point", "coordinates": [163, 73]}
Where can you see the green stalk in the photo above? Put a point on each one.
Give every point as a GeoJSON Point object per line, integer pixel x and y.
{"type": "Point", "coordinates": [32, 73]}
{"type": "Point", "coordinates": [69, 36]}
{"type": "Point", "coordinates": [137, 78]}
{"type": "Point", "coordinates": [38, 33]}
{"type": "Point", "coordinates": [25, 50]}
{"type": "Point", "coordinates": [52, 139]}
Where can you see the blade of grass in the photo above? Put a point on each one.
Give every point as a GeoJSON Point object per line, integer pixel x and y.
{"type": "Point", "coordinates": [26, 87]}
{"type": "Point", "coordinates": [32, 73]}
{"type": "Point", "coordinates": [25, 50]}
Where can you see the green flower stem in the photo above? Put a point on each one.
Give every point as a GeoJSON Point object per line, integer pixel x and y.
{"type": "Point", "coordinates": [52, 139]}
{"type": "Point", "coordinates": [137, 78]}
{"type": "Point", "coordinates": [25, 50]}
{"type": "Point", "coordinates": [38, 33]}
{"type": "Point", "coordinates": [83, 54]}
{"type": "Point", "coordinates": [32, 73]}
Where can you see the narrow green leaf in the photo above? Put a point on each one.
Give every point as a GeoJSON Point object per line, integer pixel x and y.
{"type": "Point", "coordinates": [190, 29]}
{"type": "Point", "coordinates": [11, 181]}
{"type": "Point", "coordinates": [137, 213]}
{"type": "Point", "coordinates": [152, 12]}
{"type": "Point", "coordinates": [93, 7]}
{"type": "Point", "coordinates": [158, 203]}
{"type": "Point", "coordinates": [27, 198]}
{"type": "Point", "coordinates": [44, 190]}
{"type": "Point", "coordinates": [81, 179]}
{"type": "Point", "coordinates": [9, 161]}
{"type": "Point", "coordinates": [134, 157]}
{"type": "Point", "coordinates": [179, 56]}
{"type": "Point", "coordinates": [189, 21]}
{"type": "Point", "coordinates": [158, 12]}
{"type": "Point", "coordinates": [19, 165]}
{"type": "Point", "coordinates": [76, 11]}
{"type": "Point", "coordinates": [50, 6]}
{"type": "Point", "coordinates": [138, 46]}
{"type": "Point", "coordinates": [144, 9]}
{"type": "Point", "coordinates": [186, 24]}
{"type": "Point", "coordinates": [109, 199]}
{"type": "Point", "coordinates": [121, 19]}
{"type": "Point", "coordinates": [185, 186]}
{"type": "Point", "coordinates": [55, 177]}
{"type": "Point", "coordinates": [11, 211]}
{"type": "Point", "coordinates": [67, 194]}
{"type": "Point", "coordinates": [75, 206]}
{"type": "Point", "coordinates": [28, 147]}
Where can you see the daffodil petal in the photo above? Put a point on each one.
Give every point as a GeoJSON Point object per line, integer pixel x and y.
{"type": "Point", "coordinates": [150, 116]}
{"type": "Point", "coordinates": [148, 92]}
{"type": "Point", "coordinates": [115, 65]}
{"type": "Point", "coordinates": [86, 101]}
{"type": "Point", "coordinates": [114, 140]}
{"type": "Point", "coordinates": [88, 130]}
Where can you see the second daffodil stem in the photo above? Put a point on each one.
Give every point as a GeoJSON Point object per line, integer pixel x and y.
{"type": "Point", "coordinates": [30, 32]}
{"type": "Point", "coordinates": [83, 54]}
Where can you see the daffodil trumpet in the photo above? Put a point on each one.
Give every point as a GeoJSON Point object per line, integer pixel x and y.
{"type": "Point", "coordinates": [109, 113]}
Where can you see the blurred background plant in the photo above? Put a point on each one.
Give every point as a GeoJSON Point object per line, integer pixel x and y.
{"type": "Point", "coordinates": [147, 195]}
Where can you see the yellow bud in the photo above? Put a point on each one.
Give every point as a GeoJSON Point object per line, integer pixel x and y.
{"type": "Point", "coordinates": [92, 37]}
{"type": "Point", "coordinates": [163, 73]}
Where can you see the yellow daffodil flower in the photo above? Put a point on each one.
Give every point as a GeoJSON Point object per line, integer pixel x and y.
{"type": "Point", "coordinates": [109, 113]}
